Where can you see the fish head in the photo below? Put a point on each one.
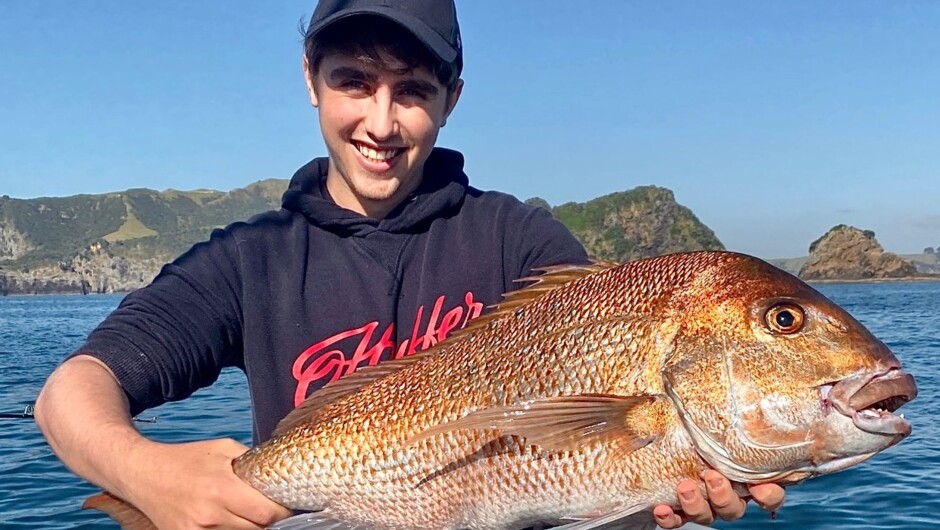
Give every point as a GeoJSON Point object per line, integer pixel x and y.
{"type": "Point", "coordinates": [775, 382]}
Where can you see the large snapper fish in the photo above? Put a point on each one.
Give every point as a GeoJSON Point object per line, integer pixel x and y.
{"type": "Point", "coordinates": [584, 399]}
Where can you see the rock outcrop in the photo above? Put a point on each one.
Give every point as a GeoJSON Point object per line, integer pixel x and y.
{"type": "Point", "coordinates": [94, 270]}
{"type": "Point", "coordinates": [13, 243]}
{"type": "Point", "coordinates": [847, 253]}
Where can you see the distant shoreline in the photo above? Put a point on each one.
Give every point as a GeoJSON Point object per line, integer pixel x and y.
{"type": "Point", "coordinates": [69, 293]}
{"type": "Point", "coordinates": [916, 279]}
{"type": "Point", "coordinates": [912, 279]}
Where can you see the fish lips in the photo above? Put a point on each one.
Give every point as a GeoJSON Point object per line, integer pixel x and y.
{"type": "Point", "coordinates": [871, 399]}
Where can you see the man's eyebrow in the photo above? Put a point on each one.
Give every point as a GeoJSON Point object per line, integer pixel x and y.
{"type": "Point", "coordinates": [341, 73]}
{"type": "Point", "coordinates": [348, 72]}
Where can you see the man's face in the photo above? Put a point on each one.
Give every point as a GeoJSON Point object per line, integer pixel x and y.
{"type": "Point", "coordinates": [379, 128]}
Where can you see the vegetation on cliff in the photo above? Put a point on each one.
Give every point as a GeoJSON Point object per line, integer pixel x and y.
{"type": "Point", "coordinates": [643, 222]}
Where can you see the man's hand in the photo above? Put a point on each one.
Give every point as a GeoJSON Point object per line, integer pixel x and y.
{"type": "Point", "coordinates": [723, 502]}
{"type": "Point", "coordinates": [85, 416]}
{"type": "Point", "coordinates": [192, 486]}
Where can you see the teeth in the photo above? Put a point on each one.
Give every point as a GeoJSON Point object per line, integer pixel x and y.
{"type": "Point", "coordinates": [377, 155]}
{"type": "Point", "coordinates": [901, 416]}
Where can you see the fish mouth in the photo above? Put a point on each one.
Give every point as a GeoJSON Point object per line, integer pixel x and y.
{"type": "Point", "coordinates": [871, 400]}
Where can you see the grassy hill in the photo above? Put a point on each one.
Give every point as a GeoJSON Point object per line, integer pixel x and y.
{"type": "Point", "coordinates": [137, 221]}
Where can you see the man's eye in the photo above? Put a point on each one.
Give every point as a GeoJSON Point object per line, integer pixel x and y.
{"type": "Point", "coordinates": [414, 93]}
{"type": "Point", "coordinates": [354, 84]}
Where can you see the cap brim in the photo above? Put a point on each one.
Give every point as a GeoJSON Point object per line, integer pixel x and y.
{"type": "Point", "coordinates": [430, 38]}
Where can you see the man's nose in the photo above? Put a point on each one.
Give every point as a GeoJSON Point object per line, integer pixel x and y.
{"type": "Point", "coordinates": [381, 122]}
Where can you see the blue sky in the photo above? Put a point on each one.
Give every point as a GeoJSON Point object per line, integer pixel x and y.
{"type": "Point", "coordinates": [772, 121]}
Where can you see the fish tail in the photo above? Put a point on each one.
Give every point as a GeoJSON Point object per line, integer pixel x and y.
{"type": "Point", "coordinates": [125, 514]}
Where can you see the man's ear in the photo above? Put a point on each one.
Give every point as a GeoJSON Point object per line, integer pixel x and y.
{"type": "Point", "coordinates": [308, 76]}
{"type": "Point", "coordinates": [452, 98]}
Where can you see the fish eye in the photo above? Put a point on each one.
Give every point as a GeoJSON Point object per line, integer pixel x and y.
{"type": "Point", "coordinates": [785, 318]}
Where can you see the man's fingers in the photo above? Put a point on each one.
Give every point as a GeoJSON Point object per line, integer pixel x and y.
{"type": "Point", "coordinates": [667, 518]}
{"type": "Point", "coordinates": [768, 496]}
{"type": "Point", "coordinates": [266, 515]}
{"type": "Point", "coordinates": [693, 503]}
{"type": "Point", "coordinates": [726, 503]}
{"type": "Point", "coordinates": [248, 503]}
{"type": "Point", "coordinates": [720, 500]}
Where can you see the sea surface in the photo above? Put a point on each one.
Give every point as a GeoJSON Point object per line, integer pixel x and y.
{"type": "Point", "coordinates": [898, 489]}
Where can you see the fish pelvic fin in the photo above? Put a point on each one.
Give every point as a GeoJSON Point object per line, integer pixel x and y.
{"type": "Point", "coordinates": [566, 423]}
{"type": "Point", "coordinates": [615, 519]}
{"type": "Point", "coordinates": [316, 521]}
{"type": "Point", "coordinates": [125, 514]}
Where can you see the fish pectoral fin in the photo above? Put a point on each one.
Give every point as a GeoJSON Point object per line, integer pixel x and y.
{"type": "Point", "coordinates": [633, 515]}
{"type": "Point", "coordinates": [316, 521]}
{"type": "Point", "coordinates": [126, 515]}
{"type": "Point", "coordinates": [566, 423]}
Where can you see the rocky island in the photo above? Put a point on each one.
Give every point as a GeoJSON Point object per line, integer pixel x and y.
{"type": "Point", "coordinates": [846, 253]}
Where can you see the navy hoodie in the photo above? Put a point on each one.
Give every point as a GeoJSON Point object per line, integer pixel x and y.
{"type": "Point", "coordinates": [309, 293]}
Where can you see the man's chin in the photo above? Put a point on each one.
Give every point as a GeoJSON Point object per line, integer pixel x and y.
{"type": "Point", "coordinates": [379, 194]}
{"type": "Point", "coordinates": [379, 187]}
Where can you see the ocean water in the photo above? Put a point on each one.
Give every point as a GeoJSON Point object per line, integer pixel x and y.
{"type": "Point", "coordinates": [897, 489]}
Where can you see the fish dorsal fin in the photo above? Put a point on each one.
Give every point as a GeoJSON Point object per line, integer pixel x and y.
{"type": "Point", "coordinates": [564, 423]}
{"type": "Point", "coordinates": [349, 384]}
{"type": "Point", "coordinates": [550, 278]}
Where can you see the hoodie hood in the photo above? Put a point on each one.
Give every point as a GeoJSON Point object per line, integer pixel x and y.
{"type": "Point", "coordinates": [443, 187]}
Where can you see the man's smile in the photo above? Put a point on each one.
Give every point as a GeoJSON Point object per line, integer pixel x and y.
{"type": "Point", "coordinates": [376, 154]}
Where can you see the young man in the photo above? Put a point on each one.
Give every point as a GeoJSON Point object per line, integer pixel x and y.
{"type": "Point", "coordinates": [380, 250]}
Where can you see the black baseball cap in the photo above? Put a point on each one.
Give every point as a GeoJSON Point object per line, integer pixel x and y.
{"type": "Point", "coordinates": [433, 22]}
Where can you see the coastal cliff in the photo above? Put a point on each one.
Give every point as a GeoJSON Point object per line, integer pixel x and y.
{"type": "Point", "coordinates": [114, 242]}
{"type": "Point", "coordinates": [93, 270]}
{"type": "Point", "coordinates": [848, 253]}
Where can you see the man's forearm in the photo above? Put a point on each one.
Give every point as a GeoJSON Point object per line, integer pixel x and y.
{"type": "Point", "coordinates": [85, 417]}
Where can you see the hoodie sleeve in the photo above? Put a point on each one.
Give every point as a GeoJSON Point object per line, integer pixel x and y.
{"type": "Point", "coordinates": [174, 336]}
{"type": "Point", "coordinates": [541, 241]}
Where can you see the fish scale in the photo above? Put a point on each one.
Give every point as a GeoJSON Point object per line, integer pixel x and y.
{"type": "Point", "coordinates": [589, 394]}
